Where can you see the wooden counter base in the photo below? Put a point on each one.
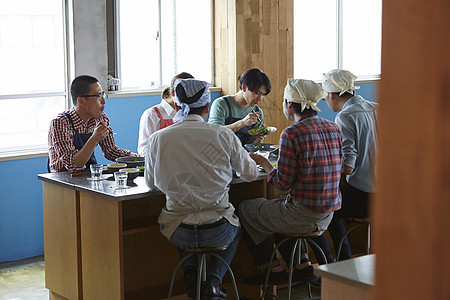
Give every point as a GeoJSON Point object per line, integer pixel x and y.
{"type": "Point", "coordinates": [100, 248]}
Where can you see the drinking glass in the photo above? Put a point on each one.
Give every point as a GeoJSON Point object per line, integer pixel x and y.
{"type": "Point", "coordinates": [121, 179]}
{"type": "Point", "coordinates": [96, 171]}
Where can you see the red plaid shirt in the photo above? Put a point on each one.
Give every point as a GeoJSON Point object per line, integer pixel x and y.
{"type": "Point", "coordinates": [310, 162]}
{"type": "Point", "coordinates": [60, 141]}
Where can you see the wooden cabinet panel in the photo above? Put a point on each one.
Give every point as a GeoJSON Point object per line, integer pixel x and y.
{"type": "Point", "coordinates": [61, 241]}
{"type": "Point", "coordinates": [101, 246]}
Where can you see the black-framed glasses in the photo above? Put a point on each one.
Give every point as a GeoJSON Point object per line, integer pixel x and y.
{"type": "Point", "coordinates": [100, 95]}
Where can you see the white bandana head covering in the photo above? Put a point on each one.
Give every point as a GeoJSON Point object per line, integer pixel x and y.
{"type": "Point", "coordinates": [191, 87]}
{"type": "Point", "coordinates": [306, 92]}
{"type": "Point", "coordinates": [339, 81]}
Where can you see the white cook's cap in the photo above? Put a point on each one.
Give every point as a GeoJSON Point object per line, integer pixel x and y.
{"type": "Point", "coordinates": [339, 81]}
{"type": "Point", "coordinates": [306, 92]}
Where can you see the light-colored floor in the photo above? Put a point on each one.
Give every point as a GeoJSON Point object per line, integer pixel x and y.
{"type": "Point", "coordinates": [24, 280]}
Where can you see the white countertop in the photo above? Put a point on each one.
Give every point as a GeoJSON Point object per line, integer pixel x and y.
{"type": "Point", "coordinates": [359, 271]}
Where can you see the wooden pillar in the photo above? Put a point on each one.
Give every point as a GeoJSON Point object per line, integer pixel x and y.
{"type": "Point", "coordinates": [256, 34]}
{"type": "Point", "coordinates": [412, 205]}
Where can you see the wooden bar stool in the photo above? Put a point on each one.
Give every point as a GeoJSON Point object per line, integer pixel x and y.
{"type": "Point", "coordinates": [356, 223]}
{"type": "Point", "coordinates": [201, 272]}
{"type": "Point", "coordinates": [297, 248]}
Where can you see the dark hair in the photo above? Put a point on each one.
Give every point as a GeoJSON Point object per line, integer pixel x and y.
{"type": "Point", "coordinates": [81, 85]}
{"type": "Point", "coordinates": [197, 110]}
{"type": "Point", "coordinates": [182, 75]}
{"type": "Point", "coordinates": [346, 94]}
{"type": "Point", "coordinates": [166, 93]}
{"type": "Point", "coordinates": [181, 94]}
{"type": "Point", "coordinates": [254, 79]}
{"type": "Point", "coordinates": [298, 109]}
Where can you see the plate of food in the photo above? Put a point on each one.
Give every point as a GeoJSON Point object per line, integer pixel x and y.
{"type": "Point", "coordinates": [258, 147]}
{"type": "Point", "coordinates": [262, 130]}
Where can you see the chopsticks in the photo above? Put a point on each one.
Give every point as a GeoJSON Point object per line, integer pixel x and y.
{"type": "Point", "coordinates": [80, 173]}
{"type": "Point", "coordinates": [259, 119]}
{"type": "Point", "coordinates": [109, 129]}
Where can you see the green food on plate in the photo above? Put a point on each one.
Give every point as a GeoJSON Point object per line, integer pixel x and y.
{"type": "Point", "coordinates": [261, 130]}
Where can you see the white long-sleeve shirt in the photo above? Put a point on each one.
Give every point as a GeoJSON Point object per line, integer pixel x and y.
{"type": "Point", "coordinates": [192, 163]}
{"type": "Point", "coordinates": [150, 122]}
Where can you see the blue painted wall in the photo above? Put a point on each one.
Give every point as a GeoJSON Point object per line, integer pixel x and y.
{"type": "Point", "coordinates": [368, 90]}
{"type": "Point", "coordinates": [21, 221]}
{"type": "Point", "coordinates": [21, 214]}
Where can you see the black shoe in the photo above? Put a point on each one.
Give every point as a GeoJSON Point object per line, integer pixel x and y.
{"type": "Point", "coordinates": [274, 278]}
{"type": "Point", "coordinates": [305, 274]}
{"type": "Point", "coordinates": [190, 280]}
{"type": "Point", "coordinates": [212, 290]}
{"type": "Point", "coordinates": [316, 282]}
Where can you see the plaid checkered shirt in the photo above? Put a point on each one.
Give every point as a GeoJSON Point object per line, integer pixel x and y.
{"type": "Point", "coordinates": [60, 141]}
{"type": "Point", "coordinates": [310, 162]}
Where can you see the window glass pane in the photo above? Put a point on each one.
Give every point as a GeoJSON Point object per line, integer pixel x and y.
{"type": "Point", "coordinates": [31, 46]}
{"type": "Point", "coordinates": [186, 38]}
{"type": "Point", "coordinates": [315, 44]}
{"type": "Point", "coordinates": [32, 63]}
{"type": "Point", "coordinates": [28, 126]}
{"type": "Point", "coordinates": [362, 37]}
{"type": "Point", "coordinates": [139, 47]}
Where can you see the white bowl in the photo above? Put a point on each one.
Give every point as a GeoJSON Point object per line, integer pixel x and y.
{"type": "Point", "coordinates": [132, 172]}
{"type": "Point", "coordinates": [116, 166]}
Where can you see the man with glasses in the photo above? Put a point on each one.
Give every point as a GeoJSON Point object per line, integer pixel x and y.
{"type": "Point", "coordinates": [74, 134]}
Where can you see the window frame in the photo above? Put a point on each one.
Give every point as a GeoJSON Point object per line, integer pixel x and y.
{"type": "Point", "coordinates": [340, 43]}
{"type": "Point", "coordinates": [113, 36]}
{"type": "Point", "coordinates": [38, 150]}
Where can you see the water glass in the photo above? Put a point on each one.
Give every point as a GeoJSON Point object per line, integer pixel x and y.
{"type": "Point", "coordinates": [96, 171]}
{"type": "Point", "coordinates": [121, 179]}
{"type": "Point", "coordinates": [97, 185]}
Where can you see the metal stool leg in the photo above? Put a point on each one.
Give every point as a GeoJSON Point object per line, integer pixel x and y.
{"type": "Point", "coordinates": [338, 255]}
{"type": "Point", "coordinates": [175, 273]}
{"type": "Point", "coordinates": [296, 248]}
{"type": "Point", "coordinates": [231, 273]}
{"type": "Point", "coordinates": [291, 266]}
{"type": "Point", "coordinates": [201, 274]}
{"type": "Point", "coordinates": [318, 248]}
{"type": "Point", "coordinates": [266, 281]}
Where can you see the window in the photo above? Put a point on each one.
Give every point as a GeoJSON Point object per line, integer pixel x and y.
{"type": "Point", "coordinates": [157, 39]}
{"type": "Point", "coordinates": [330, 34]}
{"type": "Point", "coordinates": [33, 72]}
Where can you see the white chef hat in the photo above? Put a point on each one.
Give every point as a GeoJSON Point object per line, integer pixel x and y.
{"type": "Point", "coordinates": [339, 81]}
{"type": "Point", "coordinates": [306, 92]}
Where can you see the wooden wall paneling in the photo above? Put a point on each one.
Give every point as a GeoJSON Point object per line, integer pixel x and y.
{"type": "Point", "coordinates": [225, 49]}
{"type": "Point", "coordinates": [411, 205]}
{"type": "Point", "coordinates": [263, 40]}
{"type": "Point", "coordinates": [263, 37]}
{"type": "Point", "coordinates": [61, 241]}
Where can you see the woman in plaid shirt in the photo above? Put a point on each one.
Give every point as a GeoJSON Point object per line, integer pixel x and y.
{"type": "Point", "coordinates": [309, 167]}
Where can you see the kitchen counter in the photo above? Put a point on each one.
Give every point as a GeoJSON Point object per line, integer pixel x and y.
{"type": "Point", "coordinates": [107, 188]}
{"type": "Point", "coordinates": [348, 279]}
{"type": "Point", "coordinates": [105, 243]}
